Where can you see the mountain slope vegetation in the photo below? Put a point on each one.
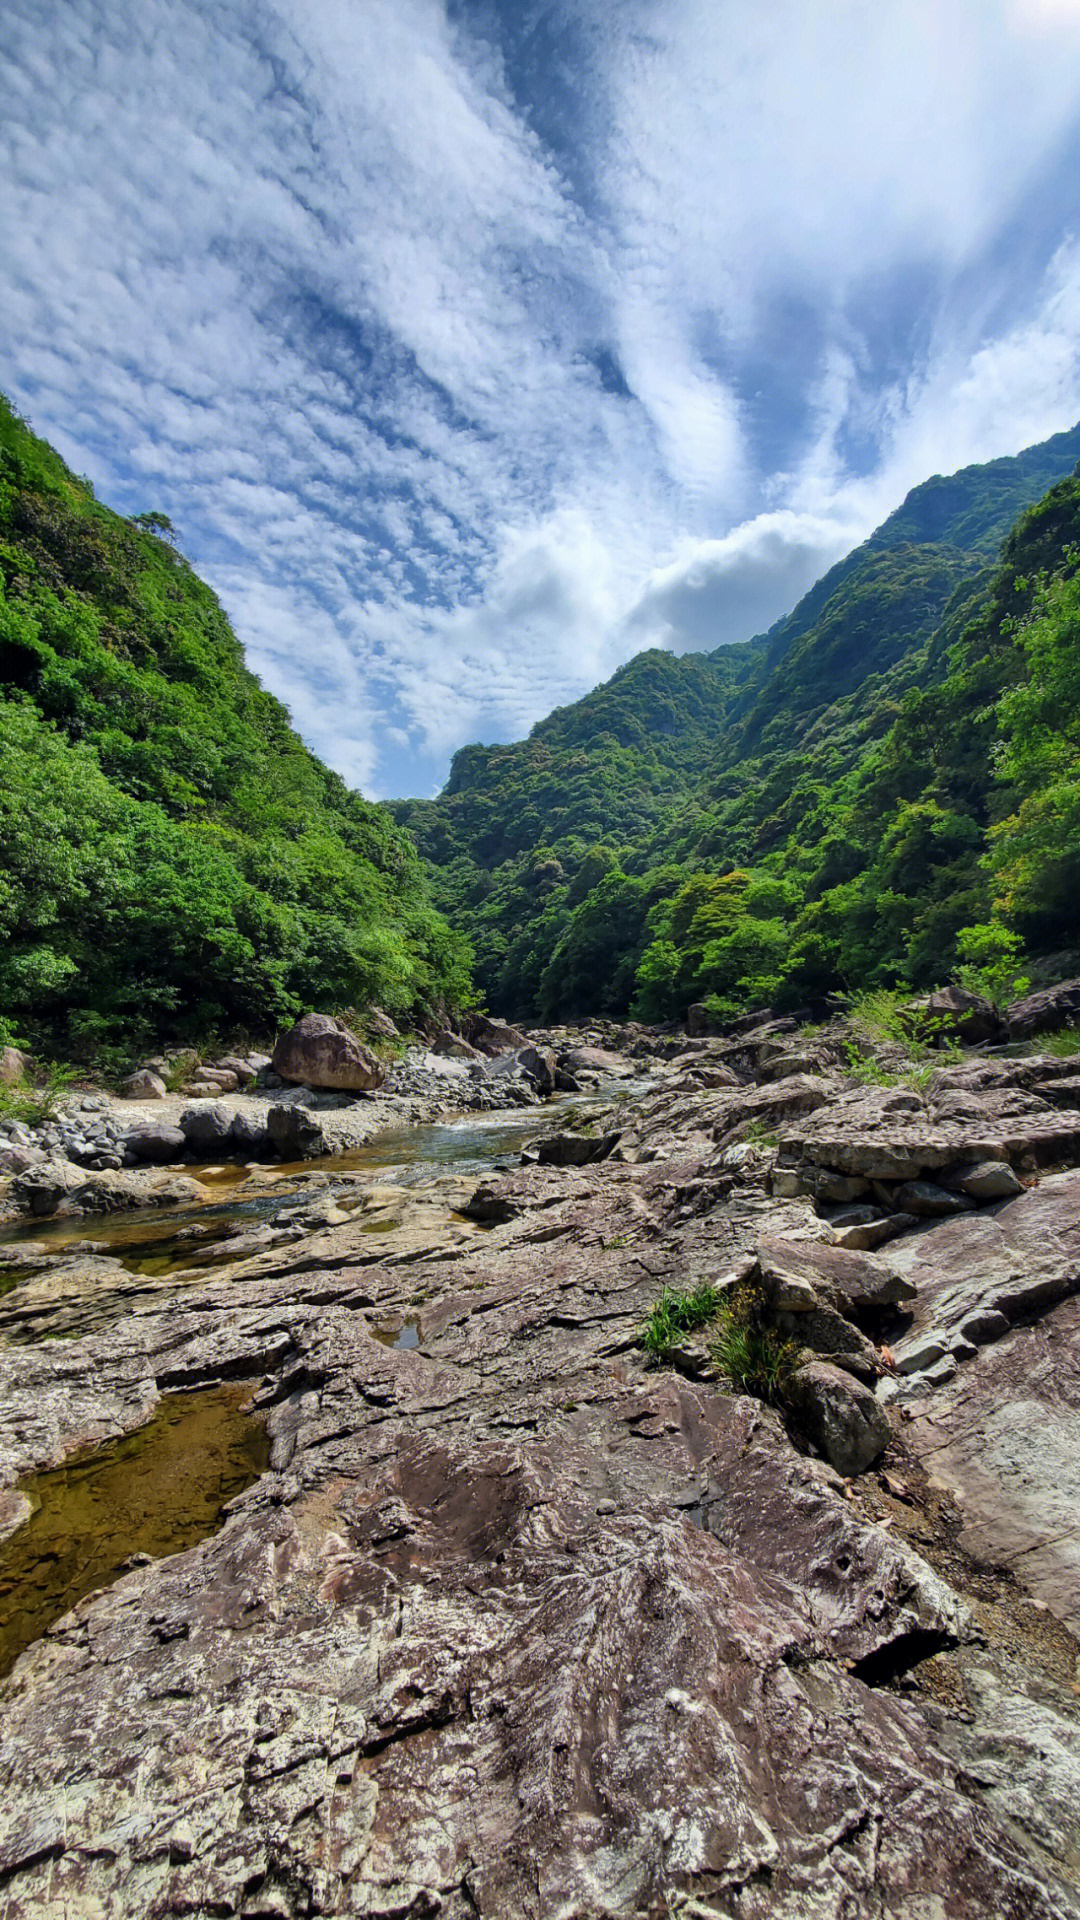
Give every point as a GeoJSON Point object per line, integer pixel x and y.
{"type": "Point", "coordinates": [173, 859]}
{"type": "Point", "coordinates": [834, 816]}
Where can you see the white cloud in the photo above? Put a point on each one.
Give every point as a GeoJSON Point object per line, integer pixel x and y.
{"type": "Point", "coordinates": [456, 420]}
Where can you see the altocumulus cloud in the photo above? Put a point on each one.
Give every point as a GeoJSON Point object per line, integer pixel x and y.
{"type": "Point", "coordinates": [473, 346]}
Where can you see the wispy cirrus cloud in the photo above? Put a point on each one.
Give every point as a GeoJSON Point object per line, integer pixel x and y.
{"type": "Point", "coordinates": [474, 345]}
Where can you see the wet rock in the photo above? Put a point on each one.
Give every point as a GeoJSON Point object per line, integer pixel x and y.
{"type": "Point", "coordinates": [576, 1149]}
{"type": "Point", "coordinates": [143, 1085]}
{"type": "Point", "coordinates": [843, 1417]}
{"type": "Point", "coordinates": [322, 1052]}
{"type": "Point", "coordinates": [295, 1133]}
{"type": "Point", "coordinates": [156, 1145]}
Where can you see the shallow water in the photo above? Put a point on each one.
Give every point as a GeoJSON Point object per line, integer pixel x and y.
{"type": "Point", "coordinates": [154, 1241]}
{"type": "Point", "coordinates": [164, 1488]}
{"type": "Point", "coordinates": [154, 1492]}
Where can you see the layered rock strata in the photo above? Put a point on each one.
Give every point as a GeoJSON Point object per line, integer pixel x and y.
{"type": "Point", "coordinates": [517, 1625]}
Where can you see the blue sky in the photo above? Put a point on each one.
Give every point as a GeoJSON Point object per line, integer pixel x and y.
{"type": "Point", "coordinates": [473, 346]}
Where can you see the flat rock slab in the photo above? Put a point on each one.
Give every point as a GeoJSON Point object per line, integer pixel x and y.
{"type": "Point", "coordinates": [900, 1137]}
{"type": "Point", "coordinates": [514, 1628]}
{"type": "Point", "coordinates": [1011, 1259]}
{"type": "Point", "coordinates": [1004, 1432]}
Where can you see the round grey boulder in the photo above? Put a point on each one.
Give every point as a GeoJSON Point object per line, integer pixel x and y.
{"type": "Point", "coordinates": [154, 1146]}
{"type": "Point", "coordinates": [206, 1129]}
{"type": "Point", "coordinates": [322, 1052]}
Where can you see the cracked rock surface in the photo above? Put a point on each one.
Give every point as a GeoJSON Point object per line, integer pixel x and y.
{"type": "Point", "coordinates": [516, 1626]}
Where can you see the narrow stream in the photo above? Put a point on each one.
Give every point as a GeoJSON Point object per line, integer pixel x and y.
{"type": "Point", "coordinates": [156, 1241]}
{"type": "Point", "coordinates": [154, 1492]}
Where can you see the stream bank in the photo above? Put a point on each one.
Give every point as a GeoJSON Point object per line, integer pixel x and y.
{"type": "Point", "coordinates": [516, 1624]}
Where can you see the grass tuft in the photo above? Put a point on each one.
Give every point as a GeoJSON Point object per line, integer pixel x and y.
{"type": "Point", "coordinates": [676, 1314]}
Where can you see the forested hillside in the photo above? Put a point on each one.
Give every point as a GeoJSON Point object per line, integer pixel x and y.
{"type": "Point", "coordinates": [523, 834]}
{"type": "Point", "coordinates": [173, 860]}
{"type": "Point", "coordinates": [840, 811]}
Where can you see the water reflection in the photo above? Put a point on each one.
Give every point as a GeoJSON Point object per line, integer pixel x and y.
{"type": "Point", "coordinates": [155, 1492]}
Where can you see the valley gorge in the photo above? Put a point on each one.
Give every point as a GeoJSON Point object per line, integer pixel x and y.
{"type": "Point", "coordinates": [539, 1327]}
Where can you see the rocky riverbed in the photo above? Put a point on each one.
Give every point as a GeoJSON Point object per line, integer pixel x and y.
{"type": "Point", "coordinates": [519, 1624]}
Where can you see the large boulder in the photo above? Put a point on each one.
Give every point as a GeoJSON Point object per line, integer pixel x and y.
{"type": "Point", "coordinates": [322, 1052]}
{"type": "Point", "coordinates": [248, 1137]}
{"type": "Point", "coordinates": [207, 1129]}
{"type": "Point", "coordinates": [700, 1020]}
{"type": "Point", "coordinates": [954, 1013]}
{"type": "Point", "coordinates": [41, 1188]}
{"type": "Point", "coordinates": [539, 1065]}
{"type": "Point", "coordinates": [1040, 1012]}
{"type": "Point", "coordinates": [492, 1036]}
{"type": "Point", "coordinates": [295, 1133]}
{"type": "Point", "coordinates": [154, 1145]}
{"type": "Point", "coordinates": [223, 1078]}
{"type": "Point", "coordinates": [244, 1070]}
{"type": "Point", "coordinates": [14, 1065]}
